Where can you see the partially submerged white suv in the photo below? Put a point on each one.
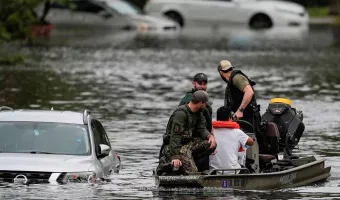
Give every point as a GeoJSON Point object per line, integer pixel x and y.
{"type": "Point", "coordinates": [46, 146]}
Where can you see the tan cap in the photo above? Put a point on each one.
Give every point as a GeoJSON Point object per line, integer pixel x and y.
{"type": "Point", "coordinates": [224, 65]}
{"type": "Point", "coordinates": [201, 96]}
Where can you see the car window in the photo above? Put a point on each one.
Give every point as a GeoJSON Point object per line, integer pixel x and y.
{"type": "Point", "coordinates": [87, 6]}
{"type": "Point", "coordinates": [79, 5]}
{"type": "Point", "coordinates": [43, 137]}
{"type": "Point", "coordinates": [123, 7]}
{"type": "Point", "coordinates": [99, 133]}
{"type": "Point", "coordinates": [103, 135]}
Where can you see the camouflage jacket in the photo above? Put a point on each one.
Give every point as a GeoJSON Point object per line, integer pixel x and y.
{"type": "Point", "coordinates": [207, 113]}
{"type": "Point", "coordinates": [179, 131]}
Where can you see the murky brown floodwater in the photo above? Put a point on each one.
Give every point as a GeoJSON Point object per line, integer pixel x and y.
{"type": "Point", "coordinates": [133, 86]}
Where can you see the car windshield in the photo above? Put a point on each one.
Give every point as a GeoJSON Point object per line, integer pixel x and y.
{"type": "Point", "coordinates": [42, 137]}
{"type": "Point", "coordinates": [123, 7]}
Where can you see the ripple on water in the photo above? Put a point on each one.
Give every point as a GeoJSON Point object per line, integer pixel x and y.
{"type": "Point", "coordinates": [133, 92]}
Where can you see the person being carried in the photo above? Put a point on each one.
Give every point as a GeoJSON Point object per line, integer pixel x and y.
{"type": "Point", "coordinates": [200, 155]}
{"type": "Point", "coordinates": [230, 140]}
{"type": "Point", "coordinates": [178, 139]}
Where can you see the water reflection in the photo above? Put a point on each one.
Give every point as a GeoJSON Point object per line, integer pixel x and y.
{"type": "Point", "coordinates": [222, 38]}
{"type": "Point", "coordinates": [32, 88]}
{"type": "Point", "coordinates": [336, 34]}
{"type": "Point", "coordinates": [133, 87]}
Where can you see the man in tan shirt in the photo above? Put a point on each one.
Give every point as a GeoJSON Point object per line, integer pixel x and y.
{"type": "Point", "coordinates": [240, 96]}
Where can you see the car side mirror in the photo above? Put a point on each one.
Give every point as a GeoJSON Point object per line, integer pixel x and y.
{"type": "Point", "coordinates": [104, 150]}
{"type": "Point", "coordinates": [105, 14]}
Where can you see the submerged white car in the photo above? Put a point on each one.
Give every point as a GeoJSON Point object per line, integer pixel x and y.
{"type": "Point", "coordinates": [45, 146]}
{"type": "Point", "coordinates": [104, 16]}
{"type": "Point", "coordinates": [257, 14]}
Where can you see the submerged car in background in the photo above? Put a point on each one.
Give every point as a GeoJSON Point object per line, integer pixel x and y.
{"type": "Point", "coordinates": [46, 146]}
{"type": "Point", "coordinates": [104, 15]}
{"type": "Point", "coordinates": [216, 13]}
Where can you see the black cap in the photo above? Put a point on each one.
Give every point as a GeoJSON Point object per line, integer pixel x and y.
{"type": "Point", "coordinates": [201, 96]}
{"type": "Point", "coordinates": [201, 77]}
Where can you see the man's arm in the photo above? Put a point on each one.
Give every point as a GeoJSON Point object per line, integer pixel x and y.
{"type": "Point", "coordinates": [247, 96]}
{"type": "Point", "coordinates": [245, 139]}
{"type": "Point", "coordinates": [243, 84]}
{"type": "Point", "coordinates": [203, 132]}
{"type": "Point", "coordinates": [250, 141]}
{"type": "Point", "coordinates": [207, 117]}
{"type": "Point", "coordinates": [201, 127]}
{"type": "Point", "coordinates": [177, 130]}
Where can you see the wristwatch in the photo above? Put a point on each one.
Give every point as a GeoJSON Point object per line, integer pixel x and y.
{"type": "Point", "coordinates": [241, 109]}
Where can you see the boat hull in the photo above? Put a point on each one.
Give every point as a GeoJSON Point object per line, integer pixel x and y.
{"type": "Point", "coordinates": [305, 171]}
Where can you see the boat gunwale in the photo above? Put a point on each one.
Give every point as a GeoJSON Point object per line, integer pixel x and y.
{"type": "Point", "coordinates": [273, 173]}
{"type": "Point", "coordinates": [198, 176]}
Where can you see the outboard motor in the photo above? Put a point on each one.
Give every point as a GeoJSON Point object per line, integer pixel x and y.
{"type": "Point", "coordinates": [289, 124]}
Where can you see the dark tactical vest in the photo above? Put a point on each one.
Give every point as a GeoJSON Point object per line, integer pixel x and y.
{"type": "Point", "coordinates": [233, 96]}
{"type": "Point", "coordinates": [189, 130]}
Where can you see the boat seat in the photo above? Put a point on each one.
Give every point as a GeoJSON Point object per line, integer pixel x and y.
{"type": "Point", "coordinates": [272, 131]}
{"type": "Point", "coordinates": [266, 158]}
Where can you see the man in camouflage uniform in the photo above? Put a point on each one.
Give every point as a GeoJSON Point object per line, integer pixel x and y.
{"type": "Point", "coordinates": [240, 97]}
{"type": "Point", "coordinates": [201, 151]}
{"type": "Point", "coordinates": [178, 139]}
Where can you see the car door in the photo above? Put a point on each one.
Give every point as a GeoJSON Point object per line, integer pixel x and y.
{"type": "Point", "coordinates": [95, 15]}
{"type": "Point", "coordinates": [197, 11]}
{"type": "Point", "coordinates": [228, 11]}
{"type": "Point", "coordinates": [63, 17]}
{"type": "Point", "coordinates": [215, 12]}
{"type": "Point", "coordinates": [100, 137]}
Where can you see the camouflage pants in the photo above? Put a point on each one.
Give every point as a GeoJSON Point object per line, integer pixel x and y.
{"type": "Point", "coordinates": [185, 156]}
{"type": "Point", "coordinates": [201, 152]}
{"type": "Point", "coordinates": [189, 153]}
{"type": "Point", "coordinates": [193, 152]}
{"type": "Point", "coordinates": [201, 147]}
{"type": "Point", "coordinates": [188, 163]}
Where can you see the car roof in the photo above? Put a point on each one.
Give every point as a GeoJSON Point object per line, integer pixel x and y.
{"type": "Point", "coordinates": [69, 117]}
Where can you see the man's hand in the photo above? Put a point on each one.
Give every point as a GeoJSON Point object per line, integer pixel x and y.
{"type": "Point", "coordinates": [176, 163]}
{"type": "Point", "coordinates": [238, 114]}
{"type": "Point", "coordinates": [212, 141]}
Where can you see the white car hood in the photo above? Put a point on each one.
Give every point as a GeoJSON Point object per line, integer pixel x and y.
{"type": "Point", "coordinates": [44, 162]}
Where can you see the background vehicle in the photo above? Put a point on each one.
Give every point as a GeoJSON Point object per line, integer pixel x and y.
{"type": "Point", "coordinates": [104, 15]}
{"type": "Point", "coordinates": [42, 146]}
{"type": "Point", "coordinates": [255, 14]}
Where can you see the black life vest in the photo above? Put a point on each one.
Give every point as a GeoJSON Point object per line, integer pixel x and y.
{"type": "Point", "coordinates": [233, 96]}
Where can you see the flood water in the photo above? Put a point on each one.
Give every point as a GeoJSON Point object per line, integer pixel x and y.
{"type": "Point", "coordinates": [133, 85]}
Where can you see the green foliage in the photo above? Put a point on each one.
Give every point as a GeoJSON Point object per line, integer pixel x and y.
{"type": "Point", "coordinates": [318, 11]}
{"type": "Point", "coordinates": [4, 35]}
{"type": "Point", "coordinates": [16, 20]}
{"type": "Point", "coordinates": [337, 21]}
{"type": "Point", "coordinates": [17, 16]}
{"type": "Point", "coordinates": [12, 59]}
